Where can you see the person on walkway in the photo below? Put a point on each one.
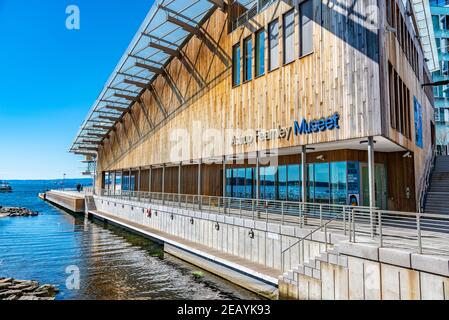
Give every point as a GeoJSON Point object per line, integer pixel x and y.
{"type": "Point", "coordinates": [78, 187]}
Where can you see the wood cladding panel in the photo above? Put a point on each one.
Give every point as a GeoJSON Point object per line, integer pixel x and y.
{"type": "Point", "coordinates": [342, 75]}
{"type": "Point", "coordinates": [336, 77]}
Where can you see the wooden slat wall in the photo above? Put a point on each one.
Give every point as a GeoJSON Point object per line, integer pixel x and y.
{"type": "Point", "coordinates": [342, 75]}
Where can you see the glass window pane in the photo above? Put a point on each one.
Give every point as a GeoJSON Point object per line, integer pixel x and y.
{"type": "Point", "coordinates": [228, 182]}
{"type": "Point", "coordinates": [322, 190]}
{"type": "Point", "coordinates": [282, 182]}
{"type": "Point", "coordinates": [249, 183]}
{"type": "Point", "coordinates": [289, 34]}
{"type": "Point", "coordinates": [338, 182]}
{"type": "Point", "coordinates": [260, 53]}
{"type": "Point", "coordinates": [248, 47]}
{"type": "Point", "coordinates": [236, 65]}
{"type": "Point", "coordinates": [294, 183]}
{"type": "Point", "coordinates": [310, 183]}
{"type": "Point", "coordinates": [273, 37]}
{"type": "Point", "coordinates": [306, 27]}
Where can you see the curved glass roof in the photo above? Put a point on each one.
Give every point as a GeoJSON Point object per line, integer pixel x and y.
{"type": "Point", "coordinates": [166, 28]}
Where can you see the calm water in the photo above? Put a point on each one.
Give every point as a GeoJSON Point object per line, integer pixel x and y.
{"type": "Point", "coordinates": [113, 263]}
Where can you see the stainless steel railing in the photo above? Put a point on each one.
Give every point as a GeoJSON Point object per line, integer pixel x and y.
{"type": "Point", "coordinates": [416, 232]}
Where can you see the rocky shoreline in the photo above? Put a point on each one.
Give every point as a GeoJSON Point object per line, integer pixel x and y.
{"type": "Point", "coordinates": [17, 212]}
{"type": "Point", "coordinates": [11, 289]}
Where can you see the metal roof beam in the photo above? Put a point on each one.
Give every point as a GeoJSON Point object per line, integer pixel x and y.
{"type": "Point", "coordinates": [183, 25]}
{"type": "Point", "coordinates": [167, 50]}
{"type": "Point", "coordinates": [123, 90]}
{"type": "Point", "coordinates": [100, 135]}
{"type": "Point", "coordinates": [111, 101]}
{"type": "Point", "coordinates": [146, 59]}
{"type": "Point", "coordinates": [103, 127]}
{"type": "Point", "coordinates": [127, 97]}
{"type": "Point", "coordinates": [121, 109]}
{"type": "Point", "coordinates": [149, 68]}
{"type": "Point", "coordinates": [132, 76]}
{"type": "Point", "coordinates": [178, 14]}
{"type": "Point", "coordinates": [219, 3]}
{"type": "Point", "coordinates": [136, 83]}
{"type": "Point", "coordinates": [109, 118]}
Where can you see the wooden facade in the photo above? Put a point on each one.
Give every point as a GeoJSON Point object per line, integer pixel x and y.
{"type": "Point", "coordinates": [197, 111]}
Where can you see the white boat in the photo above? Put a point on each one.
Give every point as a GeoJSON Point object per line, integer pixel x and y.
{"type": "Point", "coordinates": [5, 187]}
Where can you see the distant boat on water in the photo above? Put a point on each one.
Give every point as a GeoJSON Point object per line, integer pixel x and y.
{"type": "Point", "coordinates": [5, 187]}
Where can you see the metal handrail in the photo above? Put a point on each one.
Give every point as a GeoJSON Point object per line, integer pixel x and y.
{"type": "Point", "coordinates": [302, 239]}
{"type": "Point", "coordinates": [425, 179]}
{"type": "Point", "coordinates": [419, 232]}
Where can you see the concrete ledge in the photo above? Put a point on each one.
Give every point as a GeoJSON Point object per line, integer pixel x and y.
{"type": "Point", "coordinates": [359, 250]}
{"type": "Point", "coordinates": [432, 264]}
{"type": "Point", "coordinates": [398, 257]}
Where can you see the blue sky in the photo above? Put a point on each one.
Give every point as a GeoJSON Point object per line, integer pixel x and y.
{"type": "Point", "coordinates": [50, 76]}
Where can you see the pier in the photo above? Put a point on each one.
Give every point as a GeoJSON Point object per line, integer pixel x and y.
{"type": "Point", "coordinates": [268, 249]}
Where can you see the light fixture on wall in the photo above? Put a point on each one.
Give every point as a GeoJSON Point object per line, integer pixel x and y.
{"type": "Point", "coordinates": [408, 154]}
{"type": "Point", "coordinates": [320, 157]}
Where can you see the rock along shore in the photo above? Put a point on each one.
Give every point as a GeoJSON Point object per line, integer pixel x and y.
{"type": "Point", "coordinates": [17, 212]}
{"type": "Point", "coordinates": [11, 289]}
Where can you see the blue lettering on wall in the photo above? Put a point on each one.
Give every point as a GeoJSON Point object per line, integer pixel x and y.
{"type": "Point", "coordinates": [314, 126]}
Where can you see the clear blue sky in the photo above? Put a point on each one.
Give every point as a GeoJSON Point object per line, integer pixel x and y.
{"type": "Point", "coordinates": [50, 77]}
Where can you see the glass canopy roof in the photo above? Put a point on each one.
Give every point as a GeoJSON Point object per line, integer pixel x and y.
{"type": "Point", "coordinates": [421, 10]}
{"type": "Point", "coordinates": [166, 28]}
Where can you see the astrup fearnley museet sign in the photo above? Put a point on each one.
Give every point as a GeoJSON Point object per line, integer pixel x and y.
{"type": "Point", "coordinates": [298, 128]}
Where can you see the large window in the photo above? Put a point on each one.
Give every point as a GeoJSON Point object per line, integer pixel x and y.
{"type": "Point", "coordinates": [248, 58]}
{"type": "Point", "coordinates": [273, 44]}
{"type": "Point", "coordinates": [236, 65]}
{"type": "Point", "coordinates": [289, 36]}
{"type": "Point", "coordinates": [239, 183]}
{"type": "Point", "coordinates": [268, 183]}
{"type": "Point", "coordinates": [327, 182]}
{"type": "Point", "coordinates": [260, 52]}
{"type": "Point", "coordinates": [294, 182]}
{"type": "Point", "coordinates": [399, 103]}
{"type": "Point", "coordinates": [338, 182]}
{"type": "Point", "coordinates": [306, 27]}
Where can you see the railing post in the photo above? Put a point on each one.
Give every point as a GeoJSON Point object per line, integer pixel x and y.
{"type": "Point", "coordinates": [282, 212]}
{"type": "Point", "coordinates": [418, 227]}
{"type": "Point", "coordinates": [240, 207]}
{"type": "Point", "coordinates": [344, 220]}
{"type": "Point", "coordinates": [381, 243]}
{"type": "Point", "coordinates": [266, 211]}
{"type": "Point", "coordinates": [325, 238]}
{"type": "Point", "coordinates": [353, 225]}
{"type": "Point", "coordinates": [252, 207]}
{"type": "Point", "coordinates": [302, 251]}
{"type": "Point", "coordinates": [321, 217]}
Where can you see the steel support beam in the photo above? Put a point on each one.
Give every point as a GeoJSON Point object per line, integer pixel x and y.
{"type": "Point", "coordinates": [219, 3]}
{"type": "Point", "coordinates": [167, 50]}
{"type": "Point", "coordinates": [121, 109]}
{"type": "Point", "coordinates": [184, 25]}
{"type": "Point", "coordinates": [125, 96]}
{"type": "Point", "coordinates": [102, 127]}
{"type": "Point", "coordinates": [149, 68]}
{"type": "Point", "coordinates": [108, 118]}
{"type": "Point", "coordinates": [136, 83]}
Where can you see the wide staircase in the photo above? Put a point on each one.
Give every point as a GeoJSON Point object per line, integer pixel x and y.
{"type": "Point", "coordinates": [437, 199]}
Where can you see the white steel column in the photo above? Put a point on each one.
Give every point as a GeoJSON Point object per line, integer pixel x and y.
{"type": "Point", "coordinates": [199, 176]}
{"type": "Point", "coordinates": [224, 176]}
{"type": "Point", "coordinates": [179, 178]}
{"type": "Point", "coordinates": [371, 182]}
{"type": "Point", "coordinates": [257, 176]}
{"type": "Point", "coordinates": [163, 178]}
{"type": "Point", "coordinates": [304, 173]}
{"type": "Point", "coordinates": [150, 178]}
